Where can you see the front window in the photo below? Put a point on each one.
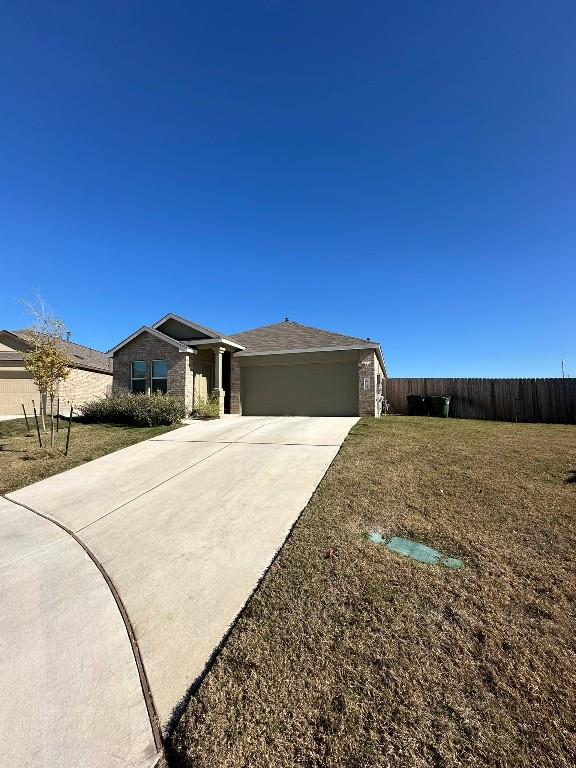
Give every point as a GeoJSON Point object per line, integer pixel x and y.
{"type": "Point", "coordinates": [160, 376]}
{"type": "Point", "coordinates": [138, 376]}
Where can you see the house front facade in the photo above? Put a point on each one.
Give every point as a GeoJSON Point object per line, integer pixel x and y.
{"type": "Point", "coordinates": [283, 369]}
{"type": "Point", "coordinates": [90, 376]}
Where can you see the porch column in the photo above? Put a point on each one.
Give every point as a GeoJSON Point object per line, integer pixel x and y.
{"type": "Point", "coordinates": [218, 392]}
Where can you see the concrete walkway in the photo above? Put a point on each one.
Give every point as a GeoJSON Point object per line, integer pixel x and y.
{"type": "Point", "coordinates": [70, 692]}
{"type": "Point", "coordinates": [183, 526]}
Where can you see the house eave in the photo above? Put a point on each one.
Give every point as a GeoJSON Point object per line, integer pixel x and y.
{"type": "Point", "coordinates": [148, 329]}
{"type": "Point", "coordinates": [19, 356]}
{"type": "Point", "coordinates": [339, 348]}
{"type": "Point", "coordinates": [219, 340]}
{"type": "Point", "coordinates": [200, 328]}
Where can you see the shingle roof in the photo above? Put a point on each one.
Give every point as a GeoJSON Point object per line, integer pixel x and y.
{"type": "Point", "coordinates": [82, 357]}
{"type": "Point", "coordinates": [289, 335]}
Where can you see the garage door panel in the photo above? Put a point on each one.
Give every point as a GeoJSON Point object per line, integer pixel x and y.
{"type": "Point", "coordinates": [15, 387]}
{"type": "Point", "coordinates": [317, 389]}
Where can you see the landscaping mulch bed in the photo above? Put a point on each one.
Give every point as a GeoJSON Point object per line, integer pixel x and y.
{"type": "Point", "coordinates": [351, 655]}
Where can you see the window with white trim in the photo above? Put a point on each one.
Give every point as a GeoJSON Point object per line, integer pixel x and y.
{"type": "Point", "coordinates": [138, 376]}
{"type": "Point", "coordinates": [160, 376]}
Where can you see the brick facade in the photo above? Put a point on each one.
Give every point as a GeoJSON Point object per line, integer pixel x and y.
{"type": "Point", "coordinates": [235, 402]}
{"type": "Point", "coordinates": [81, 386]}
{"type": "Point", "coordinates": [148, 348]}
{"type": "Point", "coordinates": [191, 375]}
{"type": "Point", "coordinates": [370, 377]}
{"type": "Point", "coordinates": [17, 386]}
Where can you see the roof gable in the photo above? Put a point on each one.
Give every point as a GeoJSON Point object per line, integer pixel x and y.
{"type": "Point", "coordinates": [180, 328]}
{"type": "Point", "coordinates": [184, 343]}
{"type": "Point", "coordinates": [10, 342]}
{"type": "Point", "coordinates": [159, 335]}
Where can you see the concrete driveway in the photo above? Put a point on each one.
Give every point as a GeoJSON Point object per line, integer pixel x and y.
{"type": "Point", "coordinates": [183, 527]}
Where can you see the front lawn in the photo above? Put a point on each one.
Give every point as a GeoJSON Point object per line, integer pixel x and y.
{"type": "Point", "coordinates": [23, 462]}
{"type": "Point", "coordinates": [351, 656]}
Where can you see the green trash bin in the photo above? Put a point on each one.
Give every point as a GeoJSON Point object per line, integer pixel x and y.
{"type": "Point", "coordinates": [439, 405]}
{"type": "Point", "coordinates": [417, 405]}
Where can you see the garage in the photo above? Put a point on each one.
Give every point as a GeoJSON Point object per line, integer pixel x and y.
{"type": "Point", "coordinates": [289, 369]}
{"type": "Point", "coordinates": [90, 377]}
{"type": "Point", "coordinates": [16, 387]}
{"type": "Point", "coordinates": [320, 384]}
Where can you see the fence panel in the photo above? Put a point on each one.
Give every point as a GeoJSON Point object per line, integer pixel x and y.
{"type": "Point", "coordinates": [532, 400]}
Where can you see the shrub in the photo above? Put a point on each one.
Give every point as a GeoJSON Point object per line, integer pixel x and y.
{"type": "Point", "coordinates": [206, 408]}
{"type": "Point", "coordinates": [137, 410]}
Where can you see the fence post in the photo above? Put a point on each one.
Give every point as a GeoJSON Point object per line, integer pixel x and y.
{"type": "Point", "coordinates": [37, 425]}
{"type": "Point", "coordinates": [25, 416]}
{"type": "Point", "coordinates": [68, 433]}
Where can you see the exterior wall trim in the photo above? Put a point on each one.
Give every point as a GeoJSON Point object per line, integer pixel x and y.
{"type": "Point", "coordinates": [217, 340]}
{"type": "Point", "coordinates": [195, 326]}
{"type": "Point", "coordinates": [374, 347]}
{"type": "Point", "coordinates": [146, 329]}
{"type": "Point", "coordinates": [19, 357]}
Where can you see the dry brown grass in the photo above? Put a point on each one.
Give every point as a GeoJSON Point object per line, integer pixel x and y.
{"type": "Point", "coordinates": [23, 462]}
{"type": "Point", "coordinates": [351, 656]}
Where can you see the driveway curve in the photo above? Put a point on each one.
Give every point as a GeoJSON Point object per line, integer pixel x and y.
{"type": "Point", "coordinates": [184, 526]}
{"type": "Point", "coordinates": [70, 693]}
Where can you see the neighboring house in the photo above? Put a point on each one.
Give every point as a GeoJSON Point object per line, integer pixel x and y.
{"type": "Point", "coordinates": [280, 369]}
{"type": "Point", "coordinates": [90, 377]}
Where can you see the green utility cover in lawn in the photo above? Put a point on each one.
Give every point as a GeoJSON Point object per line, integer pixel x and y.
{"type": "Point", "coordinates": [416, 551]}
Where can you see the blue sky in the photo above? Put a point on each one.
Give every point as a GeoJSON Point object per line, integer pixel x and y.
{"type": "Point", "coordinates": [404, 171]}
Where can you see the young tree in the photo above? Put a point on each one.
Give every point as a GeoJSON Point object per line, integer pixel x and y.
{"type": "Point", "coordinates": [46, 358]}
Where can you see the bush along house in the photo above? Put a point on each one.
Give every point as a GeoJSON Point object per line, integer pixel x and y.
{"type": "Point", "coordinates": [283, 369]}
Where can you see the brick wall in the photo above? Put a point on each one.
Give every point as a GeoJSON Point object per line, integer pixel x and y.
{"type": "Point", "coordinates": [82, 386]}
{"type": "Point", "coordinates": [380, 388]}
{"type": "Point", "coordinates": [148, 347]}
{"type": "Point", "coordinates": [367, 372]}
{"type": "Point", "coordinates": [235, 402]}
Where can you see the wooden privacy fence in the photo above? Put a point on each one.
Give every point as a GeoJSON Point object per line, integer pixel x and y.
{"type": "Point", "coordinates": [537, 400]}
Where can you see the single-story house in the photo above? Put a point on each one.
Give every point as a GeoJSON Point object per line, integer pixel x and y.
{"type": "Point", "coordinates": [277, 370]}
{"type": "Point", "coordinates": [90, 377]}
